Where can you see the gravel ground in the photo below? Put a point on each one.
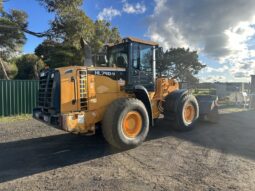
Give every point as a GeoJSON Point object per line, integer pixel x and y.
{"type": "Point", "coordinates": [221, 156]}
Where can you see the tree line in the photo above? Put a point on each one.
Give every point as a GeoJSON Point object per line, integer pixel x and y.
{"type": "Point", "coordinates": [61, 44]}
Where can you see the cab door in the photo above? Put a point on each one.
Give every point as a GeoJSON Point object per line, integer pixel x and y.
{"type": "Point", "coordinates": [141, 66]}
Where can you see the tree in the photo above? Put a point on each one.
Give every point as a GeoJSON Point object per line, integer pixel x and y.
{"type": "Point", "coordinates": [29, 66]}
{"type": "Point", "coordinates": [180, 63]}
{"type": "Point", "coordinates": [61, 5]}
{"type": "Point", "coordinates": [161, 65]}
{"type": "Point", "coordinates": [12, 38]}
{"type": "Point", "coordinates": [103, 34]}
{"type": "Point", "coordinates": [58, 54]}
{"type": "Point", "coordinates": [1, 6]}
{"type": "Point", "coordinates": [62, 44]}
{"type": "Point", "coordinates": [70, 23]}
{"type": "Point", "coordinates": [69, 26]}
{"type": "Point", "coordinates": [10, 69]}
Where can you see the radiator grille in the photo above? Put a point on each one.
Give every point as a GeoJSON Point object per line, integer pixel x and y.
{"type": "Point", "coordinates": [45, 90]}
{"type": "Point", "coordinates": [83, 90]}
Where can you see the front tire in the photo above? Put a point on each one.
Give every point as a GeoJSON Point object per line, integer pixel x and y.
{"type": "Point", "coordinates": [185, 114]}
{"type": "Point", "coordinates": [126, 123]}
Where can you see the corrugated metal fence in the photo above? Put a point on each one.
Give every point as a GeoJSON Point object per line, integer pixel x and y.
{"type": "Point", "coordinates": [17, 96]}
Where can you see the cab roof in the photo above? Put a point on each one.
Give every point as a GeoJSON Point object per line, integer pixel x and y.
{"type": "Point", "coordinates": [133, 39]}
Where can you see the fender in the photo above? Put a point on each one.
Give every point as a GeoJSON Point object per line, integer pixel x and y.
{"type": "Point", "coordinates": [175, 98]}
{"type": "Point", "coordinates": [142, 94]}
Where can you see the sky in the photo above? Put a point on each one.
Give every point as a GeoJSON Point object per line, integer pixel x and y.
{"type": "Point", "coordinates": [223, 32]}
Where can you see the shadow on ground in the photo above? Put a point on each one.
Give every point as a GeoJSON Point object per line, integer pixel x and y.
{"type": "Point", "coordinates": [235, 134]}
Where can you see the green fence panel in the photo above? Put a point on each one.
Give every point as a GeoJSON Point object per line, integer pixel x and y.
{"type": "Point", "coordinates": [18, 96]}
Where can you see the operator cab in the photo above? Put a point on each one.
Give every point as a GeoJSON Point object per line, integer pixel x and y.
{"type": "Point", "coordinates": [138, 58]}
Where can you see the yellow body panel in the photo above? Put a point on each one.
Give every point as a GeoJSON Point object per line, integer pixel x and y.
{"type": "Point", "coordinates": [67, 92]}
{"type": "Point", "coordinates": [99, 92]}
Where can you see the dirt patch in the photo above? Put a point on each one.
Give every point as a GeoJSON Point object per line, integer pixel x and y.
{"type": "Point", "coordinates": [221, 156]}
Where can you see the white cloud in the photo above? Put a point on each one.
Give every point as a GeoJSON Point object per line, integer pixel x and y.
{"type": "Point", "coordinates": [177, 39]}
{"type": "Point", "coordinates": [108, 14]}
{"type": "Point", "coordinates": [219, 29]}
{"type": "Point", "coordinates": [137, 8]}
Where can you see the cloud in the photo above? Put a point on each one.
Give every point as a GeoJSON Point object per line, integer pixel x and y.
{"type": "Point", "coordinates": [108, 14]}
{"type": "Point", "coordinates": [243, 70]}
{"type": "Point", "coordinates": [221, 30]}
{"type": "Point", "coordinates": [137, 8]}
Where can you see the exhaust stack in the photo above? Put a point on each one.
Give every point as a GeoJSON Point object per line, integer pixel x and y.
{"type": "Point", "coordinates": [87, 53]}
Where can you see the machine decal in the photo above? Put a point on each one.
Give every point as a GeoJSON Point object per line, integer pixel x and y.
{"type": "Point", "coordinates": [105, 73]}
{"type": "Point", "coordinates": [115, 74]}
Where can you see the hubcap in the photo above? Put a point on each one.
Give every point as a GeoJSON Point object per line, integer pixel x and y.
{"type": "Point", "coordinates": [189, 113]}
{"type": "Point", "coordinates": [132, 124]}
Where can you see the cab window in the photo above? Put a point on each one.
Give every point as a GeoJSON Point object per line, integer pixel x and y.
{"type": "Point", "coordinates": [142, 57]}
{"type": "Point", "coordinates": [118, 56]}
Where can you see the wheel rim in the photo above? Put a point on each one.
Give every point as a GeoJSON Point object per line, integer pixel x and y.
{"type": "Point", "coordinates": [189, 113]}
{"type": "Point", "coordinates": [132, 124]}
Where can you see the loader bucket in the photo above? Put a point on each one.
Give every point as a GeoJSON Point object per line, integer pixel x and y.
{"type": "Point", "coordinates": [208, 108]}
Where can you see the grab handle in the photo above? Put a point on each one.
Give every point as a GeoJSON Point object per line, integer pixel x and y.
{"type": "Point", "coordinates": [75, 95]}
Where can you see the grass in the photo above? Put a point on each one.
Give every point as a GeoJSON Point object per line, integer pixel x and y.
{"type": "Point", "coordinates": [15, 118]}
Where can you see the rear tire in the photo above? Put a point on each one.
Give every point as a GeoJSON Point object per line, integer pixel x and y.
{"type": "Point", "coordinates": [185, 114]}
{"type": "Point", "coordinates": [126, 123]}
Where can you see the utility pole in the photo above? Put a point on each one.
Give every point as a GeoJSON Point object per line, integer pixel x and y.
{"type": "Point", "coordinates": [252, 94]}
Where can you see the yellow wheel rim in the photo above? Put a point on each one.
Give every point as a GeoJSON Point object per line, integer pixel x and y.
{"type": "Point", "coordinates": [189, 113]}
{"type": "Point", "coordinates": [132, 124]}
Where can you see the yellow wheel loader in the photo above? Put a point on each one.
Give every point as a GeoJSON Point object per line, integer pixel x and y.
{"type": "Point", "coordinates": [123, 96]}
